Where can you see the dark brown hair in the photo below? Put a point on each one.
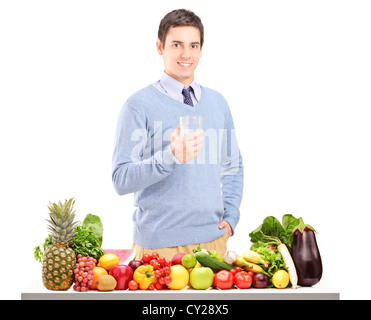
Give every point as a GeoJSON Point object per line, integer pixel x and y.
{"type": "Point", "coordinates": [180, 18]}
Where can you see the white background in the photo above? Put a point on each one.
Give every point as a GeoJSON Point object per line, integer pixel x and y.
{"type": "Point", "coordinates": [295, 73]}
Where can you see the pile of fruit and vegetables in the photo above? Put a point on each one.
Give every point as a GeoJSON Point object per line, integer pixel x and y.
{"type": "Point", "coordinates": [282, 255]}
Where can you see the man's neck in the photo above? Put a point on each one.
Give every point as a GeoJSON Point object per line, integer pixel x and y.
{"type": "Point", "coordinates": [186, 82]}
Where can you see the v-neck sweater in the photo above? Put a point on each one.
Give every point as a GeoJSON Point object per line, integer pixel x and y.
{"type": "Point", "coordinates": [177, 204]}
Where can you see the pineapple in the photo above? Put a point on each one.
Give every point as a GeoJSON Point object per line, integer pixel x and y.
{"type": "Point", "coordinates": [58, 259]}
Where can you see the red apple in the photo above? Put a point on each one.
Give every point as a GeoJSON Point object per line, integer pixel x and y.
{"type": "Point", "coordinates": [123, 274]}
{"type": "Point", "coordinates": [177, 259]}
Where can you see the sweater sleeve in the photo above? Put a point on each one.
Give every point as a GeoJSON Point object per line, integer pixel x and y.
{"type": "Point", "coordinates": [232, 172]}
{"type": "Point", "coordinates": [133, 166]}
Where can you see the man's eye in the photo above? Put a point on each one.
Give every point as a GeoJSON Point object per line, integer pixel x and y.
{"type": "Point", "coordinates": [194, 46]}
{"type": "Point", "coordinates": [176, 45]}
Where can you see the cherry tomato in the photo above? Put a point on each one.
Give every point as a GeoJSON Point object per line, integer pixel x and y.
{"type": "Point", "coordinates": [242, 280]}
{"type": "Point", "coordinates": [223, 279]}
{"type": "Point", "coordinates": [161, 280]}
{"type": "Point", "coordinates": [251, 274]}
{"type": "Point", "coordinates": [154, 255]}
{"type": "Point", "coordinates": [238, 269]}
{"type": "Point", "coordinates": [146, 258]}
{"type": "Point", "coordinates": [271, 248]}
{"type": "Point", "coordinates": [133, 285]}
{"type": "Point", "coordinates": [167, 270]}
{"type": "Point", "coordinates": [155, 265]}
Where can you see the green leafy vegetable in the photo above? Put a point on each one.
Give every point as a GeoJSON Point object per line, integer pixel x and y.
{"type": "Point", "coordinates": [271, 227]}
{"type": "Point", "coordinates": [274, 257]}
{"type": "Point", "coordinates": [289, 223]}
{"type": "Point", "coordinates": [39, 250]}
{"type": "Point", "coordinates": [86, 243]}
{"type": "Point", "coordinates": [96, 224]}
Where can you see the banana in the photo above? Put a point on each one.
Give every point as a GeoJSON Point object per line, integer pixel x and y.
{"type": "Point", "coordinates": [254, 257]}
{"type": "Point", "coordinates": [254, 268]}
{"type": "Point", "coordinates": [240, 262]}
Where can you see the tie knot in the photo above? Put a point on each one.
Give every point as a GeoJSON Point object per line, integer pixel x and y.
{"type": "Point", "coordinates": [187, 95]}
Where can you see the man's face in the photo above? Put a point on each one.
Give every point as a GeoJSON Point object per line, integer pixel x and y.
{"type": "Point", "coordinates": [181, 52]}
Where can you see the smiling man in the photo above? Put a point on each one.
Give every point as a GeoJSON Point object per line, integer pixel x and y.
{"type": "Point", "coordinates": [180, 56]}
{"type": "Point", "coordinates": [180, 203]}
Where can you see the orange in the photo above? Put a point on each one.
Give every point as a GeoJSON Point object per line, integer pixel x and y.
{"type": "Point", "coordinates": [98, 271]}
{"type": "Point", "coordinates": [107, 261]}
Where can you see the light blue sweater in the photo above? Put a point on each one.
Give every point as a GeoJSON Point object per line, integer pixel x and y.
{"type": "Point", "coordinates": [177, 204]}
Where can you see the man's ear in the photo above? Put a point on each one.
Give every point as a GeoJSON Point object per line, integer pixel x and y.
{"type": "Point", "coordinates": [159, 47]}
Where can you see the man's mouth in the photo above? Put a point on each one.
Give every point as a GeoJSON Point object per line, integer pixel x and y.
{"type": "Point", "coordinates": [185, 64]}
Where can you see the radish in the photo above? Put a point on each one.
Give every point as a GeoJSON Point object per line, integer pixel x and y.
{"type": "Point", "coordinates": [286, 256]}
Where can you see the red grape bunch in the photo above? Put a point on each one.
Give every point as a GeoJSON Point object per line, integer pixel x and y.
{"type": "Point", "coordinates": [84, 272]}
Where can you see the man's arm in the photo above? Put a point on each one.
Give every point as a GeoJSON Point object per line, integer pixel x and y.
{"type": "Point", "coordinates": [231, 174]}
{"type": "Point", "coordinates": [134, 167]}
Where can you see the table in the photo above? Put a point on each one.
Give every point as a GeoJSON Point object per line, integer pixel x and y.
{"type": "Point", "coordinates": [321, 291]}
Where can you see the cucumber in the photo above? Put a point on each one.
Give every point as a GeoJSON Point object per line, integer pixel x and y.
{"type": "Point", "coordinates": [214, 264]}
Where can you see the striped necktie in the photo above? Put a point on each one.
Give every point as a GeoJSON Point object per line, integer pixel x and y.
{"type": "Point", "coordinates": [187, 96]}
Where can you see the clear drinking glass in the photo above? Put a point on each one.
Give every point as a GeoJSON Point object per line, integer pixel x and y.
{"type": "Point", "coordinates": [190, 124]}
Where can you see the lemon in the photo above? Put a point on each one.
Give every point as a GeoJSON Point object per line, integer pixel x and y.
{"type": "Point", "coordinates": [179, 277]}
{"type": "Point", "coordinates": [107, 261]}
{"type": "Point", "coordinates": [280, 279]}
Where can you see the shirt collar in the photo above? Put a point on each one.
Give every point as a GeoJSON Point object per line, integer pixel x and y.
{"type": "Point", "coordinates": [174, 87]}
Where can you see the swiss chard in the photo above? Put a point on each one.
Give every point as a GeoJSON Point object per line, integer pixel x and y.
{"type": "Point", "coordinates": [271, 227]}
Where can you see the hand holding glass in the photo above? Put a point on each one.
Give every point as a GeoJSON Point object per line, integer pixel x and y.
{"type": "Point", "coordinates": [187, 139]}
{"type": "Point", "coordinates": [190, 124]}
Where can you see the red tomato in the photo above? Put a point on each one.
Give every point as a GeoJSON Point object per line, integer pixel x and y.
{"type": "Point", "coordinates": [133, 285]}
{"type": "Point", "coordinates": [271, 248]}
{"type": "Point", "coordinates": [242, 280]}
{"type": "Point", "coordinates": [251, 274]}
{"type": "Point", "coordinates": [154, 255]}
{"type": "Point", "coordinates": [146, 258]}
{"type": "Point", "coordinates": [223, 279]}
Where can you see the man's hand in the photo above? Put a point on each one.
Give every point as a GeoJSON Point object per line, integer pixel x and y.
{"type": "Point", "coordinates": [224, 224]}
{"type": "Point", "coordinates": [186, 148]}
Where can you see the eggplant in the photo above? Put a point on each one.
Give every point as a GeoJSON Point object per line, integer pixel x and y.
{"type": "Point", "coordinates": [306, 256]}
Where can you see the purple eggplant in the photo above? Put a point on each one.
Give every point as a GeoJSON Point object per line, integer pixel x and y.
{"type": "Point", "coordinates": [306, 255]}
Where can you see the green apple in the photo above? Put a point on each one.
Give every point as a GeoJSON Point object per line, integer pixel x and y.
{"type": "Point", "coordinates": [201, 278]}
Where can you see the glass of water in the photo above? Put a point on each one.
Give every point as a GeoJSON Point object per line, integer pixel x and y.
{"type": "Point", "coordinates": [190, 124]}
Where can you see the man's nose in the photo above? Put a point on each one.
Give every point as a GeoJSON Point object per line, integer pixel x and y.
{"type": "Point", "coordinates": [186, 53]}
